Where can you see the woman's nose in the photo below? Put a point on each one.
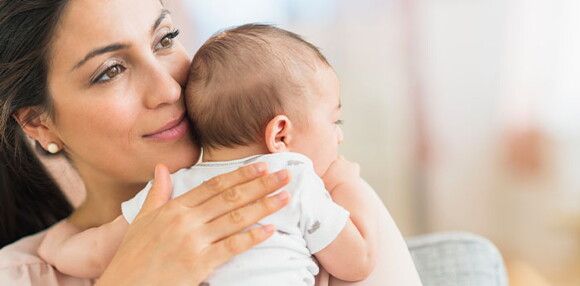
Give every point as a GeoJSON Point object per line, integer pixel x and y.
{"type": "Point", "coordinates": [161, 89]}
{"type": "Point", "coordinates": [164, 83]}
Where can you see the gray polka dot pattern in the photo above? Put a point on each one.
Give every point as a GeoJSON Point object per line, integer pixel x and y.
{"type": "Point", "coordinates": [295, 163]}
{"type": "Point", "coordinates": [282, 232]}
{"type": "Point", "coordinates": [314, 227]}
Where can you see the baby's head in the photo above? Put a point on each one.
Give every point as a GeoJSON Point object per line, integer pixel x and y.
{"type": "Point", "coordinates": [261, 87]}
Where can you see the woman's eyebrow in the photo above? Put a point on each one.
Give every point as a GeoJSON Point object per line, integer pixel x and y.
{"type": "Point", "coordinates": [164, 13]}
{"type": "Point", "coordinates": [116, 47]}
{"type": "Point", "coordinates": [99, 51]}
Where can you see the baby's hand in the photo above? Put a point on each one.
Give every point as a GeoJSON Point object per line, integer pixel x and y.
{"type": "Point", "coordinates": [339, 172]}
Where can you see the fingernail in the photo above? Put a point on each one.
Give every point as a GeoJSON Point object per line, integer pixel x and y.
{"type": "Point", "coordinates": [282, 196]}
{"type": "Point", "coordinates": [259, 168]}
{"type": "Point", "coordinates": [282, 175]}
{"type": "Point", "coordinates": [156, 175]}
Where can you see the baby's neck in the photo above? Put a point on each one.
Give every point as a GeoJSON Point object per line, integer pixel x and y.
{"type": "Point", "coordinates": [228, 154]}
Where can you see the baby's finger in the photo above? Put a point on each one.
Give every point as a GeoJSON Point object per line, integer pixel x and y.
{"type": "Point", "coordinates": [239, 219]}
{"type": "Point", "coordinates": [241, 195]}
{"type": "Point", "coordinates": [221, 183]}
{"type": "Point", "coordinates": [225, 249]}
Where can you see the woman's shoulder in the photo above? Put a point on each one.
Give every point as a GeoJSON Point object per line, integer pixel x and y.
{"type": "Point", "coordinates": [22, 252]}
{"type": "Point", "coordinates": [21, 265]}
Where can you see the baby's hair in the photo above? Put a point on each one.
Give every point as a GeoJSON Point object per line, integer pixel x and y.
{"type": "Point", "coordinates": [243, 77]}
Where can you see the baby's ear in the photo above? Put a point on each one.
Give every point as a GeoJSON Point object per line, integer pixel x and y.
{"type": "Point", "coordinates": [278, 134]}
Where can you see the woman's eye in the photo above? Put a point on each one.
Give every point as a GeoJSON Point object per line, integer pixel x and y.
{"type": "Point", "coordinates": [167, 40]}
{"type": "Point", "coordinates": [339, 122]}
{"type": "Point", "coordinates": [113, 71]}
{"type": "Point", "coordinates": [109, 74]}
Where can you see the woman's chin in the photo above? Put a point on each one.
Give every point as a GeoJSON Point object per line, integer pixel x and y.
{"type": "Point", "coordinates": [184, 156]}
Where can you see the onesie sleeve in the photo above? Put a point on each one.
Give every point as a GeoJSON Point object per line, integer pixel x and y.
{"type": "Point", "coordinates": [132, 207]}
{"type": "Point", "coordinates": [321, 218]}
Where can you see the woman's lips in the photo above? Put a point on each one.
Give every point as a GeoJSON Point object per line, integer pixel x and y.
{"type": "Point", "coordinates": [173, 130]}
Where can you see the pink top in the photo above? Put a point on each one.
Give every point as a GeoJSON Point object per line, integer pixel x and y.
{"type": "Point", "coordinates": [20, 264]}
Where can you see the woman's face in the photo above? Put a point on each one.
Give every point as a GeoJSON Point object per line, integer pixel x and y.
{"type": "Point", "coordinates": [115, 78]}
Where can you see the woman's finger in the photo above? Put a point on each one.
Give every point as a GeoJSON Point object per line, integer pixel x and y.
{"type": "Point", "coordinates": [160, 191]}
{"type": "Point", "coordinates": [225, 249]}
{"type": "Point", "coordinates": [241, 218]}
{"type": "Point", "coordinates": [221, 183]}
{"type": "Point", "coordinates": [240, 195]}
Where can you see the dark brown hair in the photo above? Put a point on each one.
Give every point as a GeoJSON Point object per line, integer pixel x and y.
{"type": "Point", "coordinates": [243, 77]}
{"type": "Point", "coordinates": [30, 200]}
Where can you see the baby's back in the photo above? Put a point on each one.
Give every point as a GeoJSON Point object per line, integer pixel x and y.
{"type": "Point", "coordinates": [306, 225]}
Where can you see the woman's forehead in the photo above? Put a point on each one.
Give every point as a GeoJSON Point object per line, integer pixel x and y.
{"type": "Point", "coordinates": [88, 25]}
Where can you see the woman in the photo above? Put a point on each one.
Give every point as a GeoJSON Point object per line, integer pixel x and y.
{"type": "Point", "coordinates": [101, 81]}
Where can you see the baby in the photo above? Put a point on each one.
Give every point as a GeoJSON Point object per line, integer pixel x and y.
{"type": "Point", "coordinates": [260, 93]}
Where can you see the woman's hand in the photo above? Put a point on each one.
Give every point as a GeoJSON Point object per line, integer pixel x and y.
{"type": "Point", "coordinates": [181, 241]}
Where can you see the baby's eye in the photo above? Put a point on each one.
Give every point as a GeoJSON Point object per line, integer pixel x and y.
{"type": "Point", "coordinates": [339, 122]}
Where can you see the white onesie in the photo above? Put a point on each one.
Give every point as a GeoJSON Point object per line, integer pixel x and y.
{"type": "Point", "coordinates": [309, 223]}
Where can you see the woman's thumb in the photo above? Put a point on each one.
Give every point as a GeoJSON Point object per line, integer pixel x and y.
{"type": "Point", "coordinates": [160, 191]}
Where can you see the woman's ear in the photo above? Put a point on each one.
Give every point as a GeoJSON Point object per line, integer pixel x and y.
{"type": "Point", "coordinates": [278, 134]}
{"type": "Point", "coordinates": [36, 126]}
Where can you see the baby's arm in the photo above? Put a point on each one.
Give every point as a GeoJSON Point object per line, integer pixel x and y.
{"type": "Point", "coordinates": [84, 254]}
{"type": "Point", "coordinates": [351, 256]}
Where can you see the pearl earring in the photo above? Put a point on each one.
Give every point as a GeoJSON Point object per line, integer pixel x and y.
{"type": "Point", "coordinates": [53, 148]}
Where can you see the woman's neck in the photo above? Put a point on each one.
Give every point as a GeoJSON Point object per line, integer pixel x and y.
{"type": "Point", "coordinates": [102, 203]}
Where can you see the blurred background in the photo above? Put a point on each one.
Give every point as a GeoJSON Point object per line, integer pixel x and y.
{"type": "Point", "coordinates": [464, 115]}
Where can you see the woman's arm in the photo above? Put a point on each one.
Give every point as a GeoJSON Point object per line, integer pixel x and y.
{"type": "Point", "coordinates": [180, 241]}
{"type": "Point", "coordinates": [393, 263]}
